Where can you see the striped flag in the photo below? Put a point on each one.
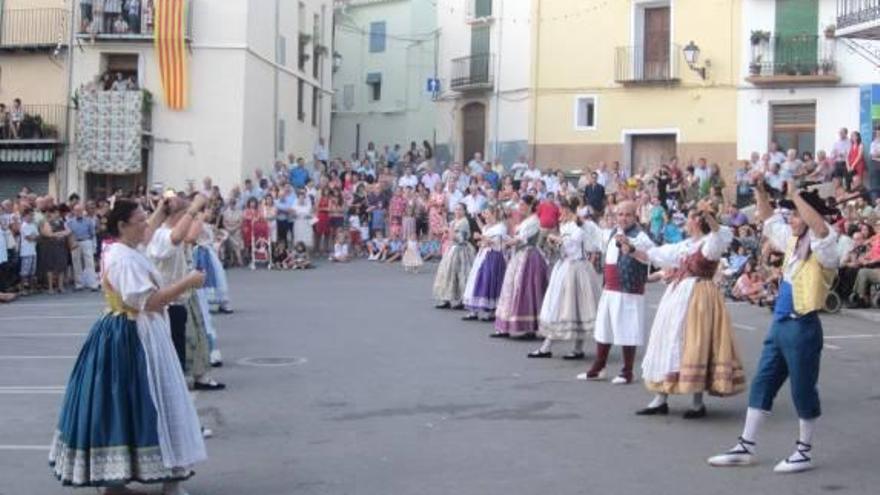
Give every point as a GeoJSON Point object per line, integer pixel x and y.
{"type": "Point", "coordinates": [170, 43]}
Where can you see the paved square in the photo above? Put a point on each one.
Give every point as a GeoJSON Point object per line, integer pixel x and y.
{"type": "Point", "coordinates": [344, 380]}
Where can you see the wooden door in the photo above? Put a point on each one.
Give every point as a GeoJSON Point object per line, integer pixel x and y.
{"type": "Point", "coordinates": [473, 130]}
{"type": "Point", "coordinates": [656, 43]}
{"type": "Point", "coordinates": [652, 150]}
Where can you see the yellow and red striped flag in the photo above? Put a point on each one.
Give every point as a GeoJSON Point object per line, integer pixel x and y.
{"type": "Point", "coordinates": [170, 42]}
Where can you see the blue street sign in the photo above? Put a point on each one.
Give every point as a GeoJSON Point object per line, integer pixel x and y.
{"type": "Point", "coordinates": [433, 85]}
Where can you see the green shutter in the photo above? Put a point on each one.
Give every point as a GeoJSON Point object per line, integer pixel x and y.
{"type": "Point", "coordinates": [797, 25]}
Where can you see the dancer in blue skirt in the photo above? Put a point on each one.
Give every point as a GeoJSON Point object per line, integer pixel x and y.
{"type": "Point", "coordinates": [127, 415]}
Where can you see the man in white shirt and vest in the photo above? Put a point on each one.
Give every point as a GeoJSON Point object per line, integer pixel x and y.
{"type": "Point", "coordinates": [620, 317]}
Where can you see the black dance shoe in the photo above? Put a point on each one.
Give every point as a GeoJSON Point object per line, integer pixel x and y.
{"type": "Point", "coordinates": [574, 356]}
{"type": "Point", "coordinates": [443, 305]}
{"type": "Point", "coordinates": [539, 354]}
{"type": "Point", "coordinates": [470, 318]}
{"type": "Point", "coordinates": [458, 307]}
{"type": "Point", "coordinates": [662, 409]}
{"type": "Point", "coordinates": [695, 413]}
{"type": "Point", "coordinates": [497, 335]}
{"type": "Point", "coordinates": [488, 319]}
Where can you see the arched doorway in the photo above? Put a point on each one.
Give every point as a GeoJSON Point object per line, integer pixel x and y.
{"type": "Point", "coordinates": [473, 138]}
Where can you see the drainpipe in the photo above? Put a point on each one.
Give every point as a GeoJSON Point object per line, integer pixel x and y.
{"type": "Point", "coordinates": [536, 65]}
{"type": "Point", "coordinates": [497, 146]}
{"type": "Point", "coordinates": [275, 81]}
{"type": "Point", "coordinates": [68, 115]}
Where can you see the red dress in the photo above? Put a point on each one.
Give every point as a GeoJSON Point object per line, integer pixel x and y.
{"type": "Point", "coordinates": [858, 163]}
{"type": "Point", "coordinates": [323, 225]}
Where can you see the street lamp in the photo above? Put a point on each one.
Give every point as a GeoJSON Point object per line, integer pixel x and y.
{"type": "Point", "coordinates": [692, 56]}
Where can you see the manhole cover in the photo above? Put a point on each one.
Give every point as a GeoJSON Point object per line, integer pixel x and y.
{"type": "Point", "coordinates": [272, 361]}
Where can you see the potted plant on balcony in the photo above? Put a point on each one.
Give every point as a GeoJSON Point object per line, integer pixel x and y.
{"type": "Point", "coordinates": [759, 36]}
{"type": "Point", "coordinates": [755, 66]}
{"type": "Point", "coordinates": [830, 30]}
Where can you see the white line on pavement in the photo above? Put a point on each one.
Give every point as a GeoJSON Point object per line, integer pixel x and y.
{"type": "Point", "coordinates": [747, 328]}
{"type": "Point", "coordinates": [57, 390]}
{"type": "Point", "coordinates": [11, 358]}
{"type": "Point", "coordinates": [45, 317]}
{"type": "Point", "coordinates": [858, 336]}
{"type": "Point", "coordinates": [39, 335]}
{"type": "Point", "coordinates": [832, 347]}
{"type": "Point", "coordinates": [24, 447]}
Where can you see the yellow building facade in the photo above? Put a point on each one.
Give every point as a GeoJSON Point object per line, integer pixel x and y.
{"type": "Point", "coordinates": [34, 58]}
{"type": "Point", "coordinates": [612, 83]}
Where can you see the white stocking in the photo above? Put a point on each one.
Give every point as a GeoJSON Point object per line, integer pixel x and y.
{"type": "Point", "coordinates": [659, 400]}
{"type": "Point", "coordinates": [548, 343]}
{"type": "Point", "coordinates": [754, 418]}
{"type": "Point", "coordinates": [807, 426]}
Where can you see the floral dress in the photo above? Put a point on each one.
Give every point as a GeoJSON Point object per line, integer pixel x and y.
{"type": "Point", "coordinates": [437, 213]}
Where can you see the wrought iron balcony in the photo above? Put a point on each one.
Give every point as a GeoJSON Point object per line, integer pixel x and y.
{"type": "Point", "coordinates": [473, 73]}
{"type": "Point", "coordinates": [652, 65]}
{"type": "Point", "coordinates": [33, 29]}
{"type": "Point", "coordinates": [127, 26]}
{"type": "Point", "coordinates": [40, 123]}
{"type": "Point", "coordinates": [858, 19]}
{"type": "Point", "coordinates": [798, 59]}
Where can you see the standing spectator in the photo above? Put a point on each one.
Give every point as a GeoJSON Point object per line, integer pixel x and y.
{"type": "Point", "coordinates": [408, 179]}
{"type": "Point", "coordinates": [83, 255]}
{"type": "Point", "coordinates": [284, 204]}
{"type": "Point", "coordinates": [393, 156]}
{"type": "Point", "coordinates": [298, 175]}
{"type": "Point", "coordinates": [5, 132]}
{"type": "Point", "coordinates": [53, 250]}
{"type": "Point", "coordinates": [855, 160]}
{"type": "Point", "coordinates": [594, 194]}
{"type": "Point", "coordinates": [548, 216]}
{"type": "Point", "coordinates": [776, 156]}
{"type": "Point", "coordinates": [840, 153]}
{"type": "Point", "coordinates": [428, 151]}
{"type": "Point", "coordinates": [320, 155]}
{"type": "Point", "coordinates": [85, 7]}
{"type": "Point", "coordinates": [430, 178]}
{"type": "Point", "coordinates": [476, 164]}
{"type": "Point", "coordinates": [743, 184]}
{"type": "Point", "coordinates": [16, 116]}
{"type": "Point", "coordinates": [27, 250]}
{"type": "Point", "coordinates": [133, 15]}
{"type": "Point", "coordinates": [233, 220]}
{"type": "Point", "coordinates": [302, 215]}
{"type": "Point", "coordinates": [112, 12]}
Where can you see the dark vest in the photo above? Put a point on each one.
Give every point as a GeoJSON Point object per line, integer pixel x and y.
{"type": "Point", "coordinates": [629, 275]}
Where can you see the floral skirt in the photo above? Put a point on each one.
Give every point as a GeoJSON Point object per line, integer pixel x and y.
{"type": "Point", "coordinates": [107, 431]}
{"type": "Point", "coordinates": [451, 278]}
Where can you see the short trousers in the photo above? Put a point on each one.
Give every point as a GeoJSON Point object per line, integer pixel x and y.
{"type": "Point", "coordinates": [28, 266]}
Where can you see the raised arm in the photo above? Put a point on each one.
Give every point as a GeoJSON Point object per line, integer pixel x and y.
{"type": "Point", "coordinates": [811, 217]}
{"type": "Point", "coordinates": [163, 297]}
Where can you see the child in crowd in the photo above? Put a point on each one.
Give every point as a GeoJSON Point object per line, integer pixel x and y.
{"type": "Point", "coordinates": [282, 254]}
{"type": "Point", "coordinates": [341, 248]}
{"type": "Point", "coordinates": [354, 232]}
{"type": "Point", "coordinates": [376, 248]}
{"type": "Point", "coordinates": [412, 258]}
{"type": "Point", "coordinates": [301, 259]}
{"type": "Point", "coordinates": [27, 251]}
{"type": "Point", "coordinates": [430, 249]}
{"type": "Point", "coordinates": [394, 250]}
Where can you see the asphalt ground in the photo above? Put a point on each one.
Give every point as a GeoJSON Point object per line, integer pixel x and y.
{"type": "Point", "coordinates": [345, 380]}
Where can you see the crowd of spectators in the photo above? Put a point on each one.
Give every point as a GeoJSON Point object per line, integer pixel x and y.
{"type": "Point", "coordinates": [371, 206]}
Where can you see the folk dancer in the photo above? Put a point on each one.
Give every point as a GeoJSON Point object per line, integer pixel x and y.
{"type": "Point", "coordinates": [569, 308]}
{"type": "Point", "coordinates": [452, 274]}
{"type": "Point", "coordinates": [620, 318]}
{"type": "Point", "coordinates": [793, 347]}
{"type": "Point", "coordinates": [692, 348]}
{"type": "Point", "coordinates": [487, 275]}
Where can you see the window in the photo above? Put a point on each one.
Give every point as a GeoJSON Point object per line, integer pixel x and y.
{"type": "Point", "coordinates": [315, 101]}
{"type": "Point", "coordinates": [377, 37]}
{"type": "Point", "coordinates": [281, 53]}
{"type": "Point", "coordinates": [300, 100]}
{"type": "Point", "coordinates": [585, 113]}
{"type": "Point", "coordinates": [281, 132]}
{"type": "Point", "coordinates": [482, 8]}
{"type": "Point", "coordinates": [374, 81]}
{"type": "Point", "coordinates": [794, 126]}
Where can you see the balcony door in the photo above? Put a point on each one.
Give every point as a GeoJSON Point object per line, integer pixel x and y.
{"type": "Point", "coordinates": [655, 43]}
{"type": "Point", "coordinates": [473, 139]}
{"type": "Point", "coordinates": [479, 62]}
{"type": "Point", "coordinates": [797, 43]}
{"type": "Point", "coordinates": [794, 126]}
